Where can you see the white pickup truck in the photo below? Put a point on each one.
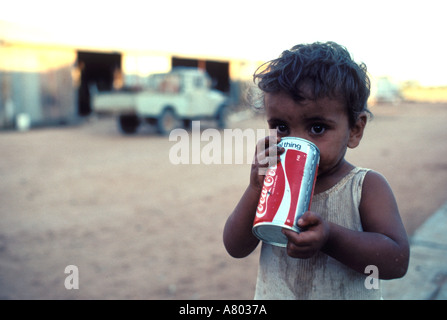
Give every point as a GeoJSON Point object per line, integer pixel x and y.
{"type": "Point", "coordinates": [170, 100]}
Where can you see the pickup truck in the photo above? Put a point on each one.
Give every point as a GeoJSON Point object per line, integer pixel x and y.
{"type": "Point", "coordinates": [170, 100]}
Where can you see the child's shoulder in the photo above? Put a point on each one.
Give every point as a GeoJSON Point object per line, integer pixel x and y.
{"type": "Point", "coordinates": [377, 193]}
{"type": "Point", "coordinates": [373, 179]}
{"type": "Point", "coordinates": [369, 177]}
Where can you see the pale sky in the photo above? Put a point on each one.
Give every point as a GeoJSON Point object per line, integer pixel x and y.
{"type": "Point", "coordinates": [402, 39]}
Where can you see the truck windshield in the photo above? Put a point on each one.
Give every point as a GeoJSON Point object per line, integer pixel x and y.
{"type": "Point", "coordinates": [165, 83]}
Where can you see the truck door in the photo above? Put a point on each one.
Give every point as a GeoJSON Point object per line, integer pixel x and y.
{"type": "Point", "coordinates": [199, 104]}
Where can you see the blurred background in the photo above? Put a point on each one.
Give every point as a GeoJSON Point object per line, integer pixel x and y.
{"type": "Point", "coordinates": [75, 191]}
{"type": "Point", "coordinates": [58, 54]}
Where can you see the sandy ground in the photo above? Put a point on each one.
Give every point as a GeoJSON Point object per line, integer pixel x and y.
{"type": "Point", "coordinates": [139, 227]}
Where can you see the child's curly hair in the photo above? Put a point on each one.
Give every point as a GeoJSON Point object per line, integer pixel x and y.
{"type": "Point", "coordinates": [317, 70]}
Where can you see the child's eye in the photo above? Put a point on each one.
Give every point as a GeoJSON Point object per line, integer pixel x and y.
{"type": "Point", "coordinates": [282, 129]}
{"type": "Point", "coordinates": [318, 129]}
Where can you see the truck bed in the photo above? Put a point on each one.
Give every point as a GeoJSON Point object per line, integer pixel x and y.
{"type": "Point", "coordinates": [114, 102]}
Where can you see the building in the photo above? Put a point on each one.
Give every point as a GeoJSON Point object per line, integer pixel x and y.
{"type": "Point", "coordinates": [47, 83]}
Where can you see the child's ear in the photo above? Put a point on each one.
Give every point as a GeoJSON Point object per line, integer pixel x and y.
{"type": "Point", "coordinates": [356, 133]}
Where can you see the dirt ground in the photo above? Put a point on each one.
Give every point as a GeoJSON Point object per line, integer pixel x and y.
{"type": "Point", "coordinates": [139, 227]}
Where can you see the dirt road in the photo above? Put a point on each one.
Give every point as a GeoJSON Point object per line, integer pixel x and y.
{"type": "Point", "coordinates": [139, 227]}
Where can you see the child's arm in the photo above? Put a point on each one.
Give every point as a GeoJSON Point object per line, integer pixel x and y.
{"type": "Point", "coordinates": [383, 241]}
{"type": "Point", "coordinates": [238, 236]}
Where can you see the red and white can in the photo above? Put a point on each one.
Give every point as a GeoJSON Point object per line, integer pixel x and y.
{"type": "Point", "coordinates": [287, 191]}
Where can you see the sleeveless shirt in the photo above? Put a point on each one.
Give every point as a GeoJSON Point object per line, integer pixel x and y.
{"type": "Point", "coordinates": [321, 276]}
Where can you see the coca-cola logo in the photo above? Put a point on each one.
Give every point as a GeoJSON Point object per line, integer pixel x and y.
{"type": "Point", "coordinates": [265, 193]}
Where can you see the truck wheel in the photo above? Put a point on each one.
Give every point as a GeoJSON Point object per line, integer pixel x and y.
{"type": "Point", "coordinates": [128, 124]}
{"type": "Point", "coordinates": [167, 121]}
{"type": "Point", "coordinates": [222, 117]}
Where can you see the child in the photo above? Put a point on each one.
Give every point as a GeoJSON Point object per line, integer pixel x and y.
{"type": "Point", "coordinates": [318, 93]}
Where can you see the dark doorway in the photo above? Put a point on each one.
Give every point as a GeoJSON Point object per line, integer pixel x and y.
{"type": "Point", "coordinates": [97, 73]}
{"type": "Point", "coordinates": [218, 71]}
{"type": "Point", "coordinates": [180, 62]}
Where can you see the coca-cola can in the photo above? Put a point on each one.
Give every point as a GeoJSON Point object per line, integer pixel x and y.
{"type": "Point", "coordinates": [287, 191]}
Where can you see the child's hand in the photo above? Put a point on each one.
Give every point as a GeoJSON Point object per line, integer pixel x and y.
{"type": "Point", "coordinates": [314, 234]}
{"type": "Point", "coordinates": [267, 153]}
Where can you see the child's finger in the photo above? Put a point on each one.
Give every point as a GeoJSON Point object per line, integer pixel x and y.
{"type": "Point", "coordinates": [267, 152]}
{"type": "Point", "coordinates": [298, 245]}
{"type": "Point", "coordinates": [267, 142]}
{"type": "Point", "coordinates": [298, 240]}
{"type": "Point", "coordinates": [308, 219]}
{"type": "Point", "coordinates": [291, 235]}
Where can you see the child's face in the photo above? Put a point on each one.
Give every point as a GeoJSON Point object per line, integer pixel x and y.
{"type": "Point", "coordinates": [323, 122]}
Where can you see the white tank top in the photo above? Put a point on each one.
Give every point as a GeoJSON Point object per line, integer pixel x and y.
{"type": "Point", "coordinates": [319, 277]}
